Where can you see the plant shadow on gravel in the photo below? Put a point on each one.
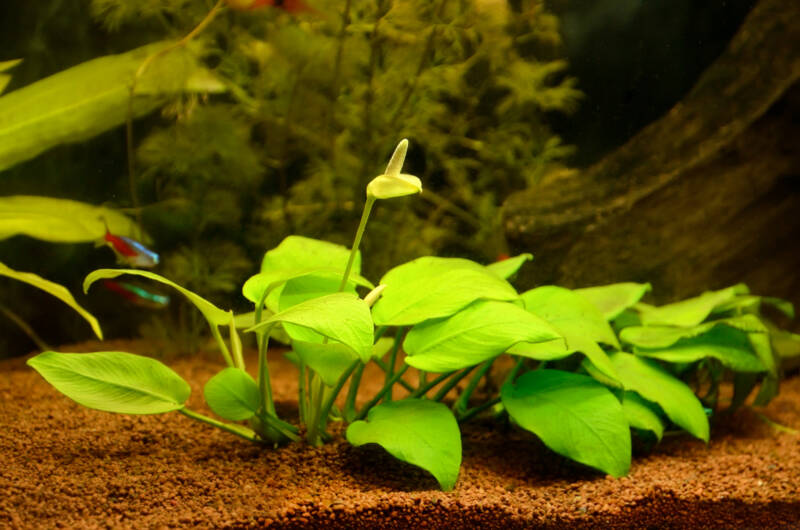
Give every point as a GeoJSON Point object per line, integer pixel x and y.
{"type": "Point", "coordinates": [370, 464]}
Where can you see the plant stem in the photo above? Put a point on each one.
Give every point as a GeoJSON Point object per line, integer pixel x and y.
{"type": "Point", "coordinates": [312, 425]}
{"type": "Point", "coordinates": [392, 361]}
{"type": "Point", "coordinates": [452, 383]}
{"type": "Point", "coordinates": [328, 404]}
{"type": "Point", "coordinates": [302, 396]}
{"type": "Point", "coordinates": [221, 343]}
{"type": "Point", "coordinates": [139, 73]}
{"type": "Point", "coordinates": [238, 430]}
{"type": "Point", "coordinates": [350, 403]}
{"type": "Point", "coordinates": [263, 373]}
{"type": "Point", "coordinates": [236, 343]}
{"type": "Point", "coordinates": [460, 405]}
{"type": "Point", "coordinates": [357, 241]}
{"type": "Point", "coordinates": [474, 411]}
{"type": "Point", "coordinates": [422, 390]}
{"type": "Point", "coordinates": [383, 366]}
{"type": "Point", "coordinates": [374, 401]}
{"type": "Point", "coordinates": [13, 317]}
{"type": "Point", "coordinates": [514, 371]}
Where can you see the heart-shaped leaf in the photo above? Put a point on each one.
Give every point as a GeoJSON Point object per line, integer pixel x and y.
{"type": "Point", "coordinates": [574, 415]}
{"type": "Point", "coordinates": [233, 394]}
{"type": "Point", "coordinates": [113, 381]}
{"type": "Point", "coordinates": [690, 312]}
{"type": "Point", "coordinates": [432, 287]}
{"type": "Point", "coordinates": [417, 431]}
{"type": "Point", "coordinates": [613, 299]}
{"type": "Point", "coordinates": [655, 384]}
{"type": "Point", "coordinates": [483, 330]}
{"type": "Point", "coordinates": [570, 313]}
{"type": "Point", "coordinates": [642, 414]}
{"type": "Point", "coordinates": [729, 345]}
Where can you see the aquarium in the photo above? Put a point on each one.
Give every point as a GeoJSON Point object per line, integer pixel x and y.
{"type": "Point", "coordinates": [385, 263]}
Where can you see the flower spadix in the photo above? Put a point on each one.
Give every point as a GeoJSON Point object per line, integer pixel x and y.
{"type": "Point", "coordinates": [393, 183]}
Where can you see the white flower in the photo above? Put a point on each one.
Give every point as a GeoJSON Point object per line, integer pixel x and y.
{"type": "Point", "coordinates": [393, 183]}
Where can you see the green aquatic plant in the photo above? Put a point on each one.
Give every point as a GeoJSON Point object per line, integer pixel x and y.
{"type": "Point", "coordinates": [589, 365]}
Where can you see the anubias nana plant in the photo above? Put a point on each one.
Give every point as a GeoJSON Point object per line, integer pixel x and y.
{"type": "Point", "coordinates": [590, 367]}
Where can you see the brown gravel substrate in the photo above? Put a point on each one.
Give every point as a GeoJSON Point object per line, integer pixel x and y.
{"type": "Point", "coordinates": [62, 465]}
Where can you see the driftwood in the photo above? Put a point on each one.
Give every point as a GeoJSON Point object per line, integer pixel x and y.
{"type": "Point", "coordinates": [706, 196]}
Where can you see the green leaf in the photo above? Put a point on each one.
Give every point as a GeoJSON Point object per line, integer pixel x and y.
{"type": "Point", "coordinates": [342, 317]}
{"type": "Point", "coordinates": [214, 315]}
{"type": "Point", "coordinates": [59, 291]}
{"type": "Point", "coordinates": [432, 287]}
{"type": "Point", "coordinates": [233, 394]}
{"type": "Point", "coordinates": [298, 252]}
{"type": "Point", "coordinates": [613, 299]}
{"type": "Point", "coordinates": [642, 414]}
{"type": "Point", "coordinates": [786, 344]}
{"type": "Point", "coordinates": [318, 281]}
{"type": "Point", "coordinates": [574, 415]}
{"type": "Point", "coordinates": [60, 220]}
{"type": "Point", "coordinates": [577, 319]}
{"type": "Point", "coordinates": [729, 345]}
{"type": "Point", "coordinates": [655, 384]}
{"type": "Point", "coordinates": [483, 330]}
{"type": "Point", "coordinates": [113, 381]}
{"type": "Point", "coordinates": [752, 304]}
{"type": "Point", "coordinates": [653, 336]}
{"type": "Point", "coordinates": [420, 432]}
{"type": "Point", "coordinates": [329, 360]}
{"type": "Point", "coordinates": [507, 268]}
{"type": "Point", "coordinates": [88, 99]}
{"type": "Point", "coordinates": [690, 312]}
{"type": "Point", "coordinates": [570, 313]}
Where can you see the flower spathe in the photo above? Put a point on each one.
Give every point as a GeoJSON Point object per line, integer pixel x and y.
{"type": "Point", "coordinates": [393, 183]}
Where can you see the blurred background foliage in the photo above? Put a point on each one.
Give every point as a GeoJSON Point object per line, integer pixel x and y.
{"type": "Point", "coordinates": [315, 103]}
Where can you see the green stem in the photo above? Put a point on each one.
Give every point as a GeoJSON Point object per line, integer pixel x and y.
{"type": "Point", "coordinates": [452, 383]}
{"type": "Point", "coordinates": [392, 361]}
{"type": "Point", "coordinates": [514, 371]}
{"type": "Point", "coordinates": [374, 401]}
{"type": "Point", "coordinates": [474, 411]}
{"type": "Point", "coordinates": [221, 343]}
{"type": "Point", "coordinates": [312, 425]}
{"type": "Point", "coordinates": [383, 366]}
{"type": "Point", "coordinates": [326, 407]}
{"type": "Point", "coordinates": [238, 430]}
{"type": "Point", "coordinates": [460, 405]}
{"type": "Point", "coordinates": [264, 384]}
{"type": "Point", "coordinates": [362, 224]}
{"type": "Point", "coordinates": [352, 392]}
{"type": "Point", "coordinates": [421, 391]}
{"type": "Point", "coordinates": [302, 397]}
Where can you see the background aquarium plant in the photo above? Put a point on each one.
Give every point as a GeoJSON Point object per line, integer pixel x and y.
{"type": "Point", "coordinates": [267, 122]}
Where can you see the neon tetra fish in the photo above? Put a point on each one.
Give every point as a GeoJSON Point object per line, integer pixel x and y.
{"type": "Point", "coordinates": [137, 295]}
{"type": "Point", "coordinates": [131, 252]}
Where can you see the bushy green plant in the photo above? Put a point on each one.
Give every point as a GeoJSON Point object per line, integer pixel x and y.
{"type": "Point", "coordinates": [590, 364]}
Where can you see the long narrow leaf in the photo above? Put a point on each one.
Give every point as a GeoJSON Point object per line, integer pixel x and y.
{"type": "Point", "coordinates": [213, 314]}
{"type": "Point", "coordinates": [59, 291]}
